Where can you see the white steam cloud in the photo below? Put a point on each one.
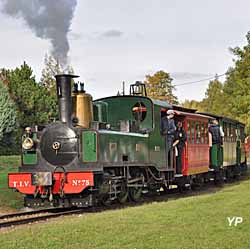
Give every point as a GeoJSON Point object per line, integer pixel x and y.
{"type": "Point", "coordinates": [48, 19]}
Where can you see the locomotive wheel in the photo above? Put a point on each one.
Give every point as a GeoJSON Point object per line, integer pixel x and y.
{"type": "Point", "coordinates": [123, 195]}
{"type": "Point", "coordinates": [106, 201]}
{"type": "Point", "coordinates": [197, 182]}
{"type": "Point", "coordinates": [135, 193]}
{"type": "Point", "coordinates": [219, 178]}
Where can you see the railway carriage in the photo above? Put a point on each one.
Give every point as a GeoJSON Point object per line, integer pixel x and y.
{"type": "Point", "coordinates": [232, 155]}
{"type": "Point", "coordinates": [195, 157]}
{"type": "Point", "coordinates": [109, 149]}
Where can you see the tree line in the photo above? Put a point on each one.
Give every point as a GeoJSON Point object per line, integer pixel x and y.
{"type": "Point", "coordinates": [24, 101]}
{"type": "Point", "coordinates": [230, 98]}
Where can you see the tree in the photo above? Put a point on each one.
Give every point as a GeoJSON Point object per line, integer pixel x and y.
{"type": "Point", "coordinates": [52, 68]}
{"type": "Point", "coordinates": [214, 100]}
{"type": "Point", "coordinates": [8, 113]}
{"type": "Point", "coordinates": [34, 103]}
{"type": "Point", "coordinates": [237, 85]}
{"type": "Point", "coordinates": [192, 104]}
{"type": "Point", "coordinates": [159, 86]}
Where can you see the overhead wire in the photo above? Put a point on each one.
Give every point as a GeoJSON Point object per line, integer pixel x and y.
{"type": "Point", "coordinates": [206, 79]}
{"type": "Point", "coordinates": [198, 81]}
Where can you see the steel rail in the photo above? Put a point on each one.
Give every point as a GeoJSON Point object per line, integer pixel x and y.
{"type": "Point", "coordinates": [28, 220]}
{"type": "Point", "coordinates": [37, 211]}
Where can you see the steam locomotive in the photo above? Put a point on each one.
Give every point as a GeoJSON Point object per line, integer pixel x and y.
{"type": "Point", "coordinates": [111, 149]}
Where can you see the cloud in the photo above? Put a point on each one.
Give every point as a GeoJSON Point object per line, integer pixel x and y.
{"type": "Point", "coordinates": [112, 33]}
{"type": "Point", "coordinates": [139, 35]}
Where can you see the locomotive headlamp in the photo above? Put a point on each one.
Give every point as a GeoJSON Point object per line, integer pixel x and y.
{"type": "Point", "coordinates": [28, 143]}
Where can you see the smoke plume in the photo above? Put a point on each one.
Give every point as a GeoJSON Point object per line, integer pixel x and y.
{"type": "Point", "coordinates": [48, 19]}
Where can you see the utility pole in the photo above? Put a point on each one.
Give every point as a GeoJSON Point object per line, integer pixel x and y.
{"type": "Point", "coordinates": [123, 88]}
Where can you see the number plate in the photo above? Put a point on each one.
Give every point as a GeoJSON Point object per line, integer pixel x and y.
{"type": "Point", "coordinates": [42, 179]}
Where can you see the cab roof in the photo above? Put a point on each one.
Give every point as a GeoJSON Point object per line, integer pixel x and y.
{"type": "Point", "coordinates": [161, 103]}
{"type": "Point", "coordinates": [154, 101]}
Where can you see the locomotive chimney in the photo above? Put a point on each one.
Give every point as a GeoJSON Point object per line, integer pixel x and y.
{"type": "Point", "coordinates": [63, 86]}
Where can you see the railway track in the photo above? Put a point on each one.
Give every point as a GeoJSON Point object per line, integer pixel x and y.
{"type": "Point", "coordinates": [21, 218]}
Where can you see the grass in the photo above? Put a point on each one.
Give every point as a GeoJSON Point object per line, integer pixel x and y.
{"type": "Point", "coordinates": [192, 222]}
{"type": "Point", "coordinates": [8, 198]}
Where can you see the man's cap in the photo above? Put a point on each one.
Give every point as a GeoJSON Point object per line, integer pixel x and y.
{"type": "Point", "coordinates": [169, 112]}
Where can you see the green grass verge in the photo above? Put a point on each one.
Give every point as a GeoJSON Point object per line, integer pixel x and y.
{"type": "Point", "coordinates": [192, 222]}
{"type": "Point", "coordinates": [8, 198]}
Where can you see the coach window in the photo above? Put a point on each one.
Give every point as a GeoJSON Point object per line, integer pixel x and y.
{"type": "Point", "coordinates": [242, 134]}
{"type": "Point", "coordinates": [189, 132]}
{"type": "Point", "coordinates": [206, 133]}
{"type": "Point", "coordinates": [231, 133]}
{"type": "Point", "coordinates": [202, 133]}
{"type": "Point", "coordinates": [198, 133]}
{"type": "Point", "coordinates": [235, 134]}
{"type": "Point", "coordinates": [225, 131]}
{"type": "Point", "coordinates": [228, 132]}
{"type": "Point", "coordinates": [229, 136]}
{"type": "Point", "coordinates": [192, 133]}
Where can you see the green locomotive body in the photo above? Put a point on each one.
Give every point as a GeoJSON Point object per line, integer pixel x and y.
{"type": "Point", "coordinates": [133, 135]}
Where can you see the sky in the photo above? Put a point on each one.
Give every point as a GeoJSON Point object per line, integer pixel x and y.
{"type": "Point", "coordinates": [113, 41]}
